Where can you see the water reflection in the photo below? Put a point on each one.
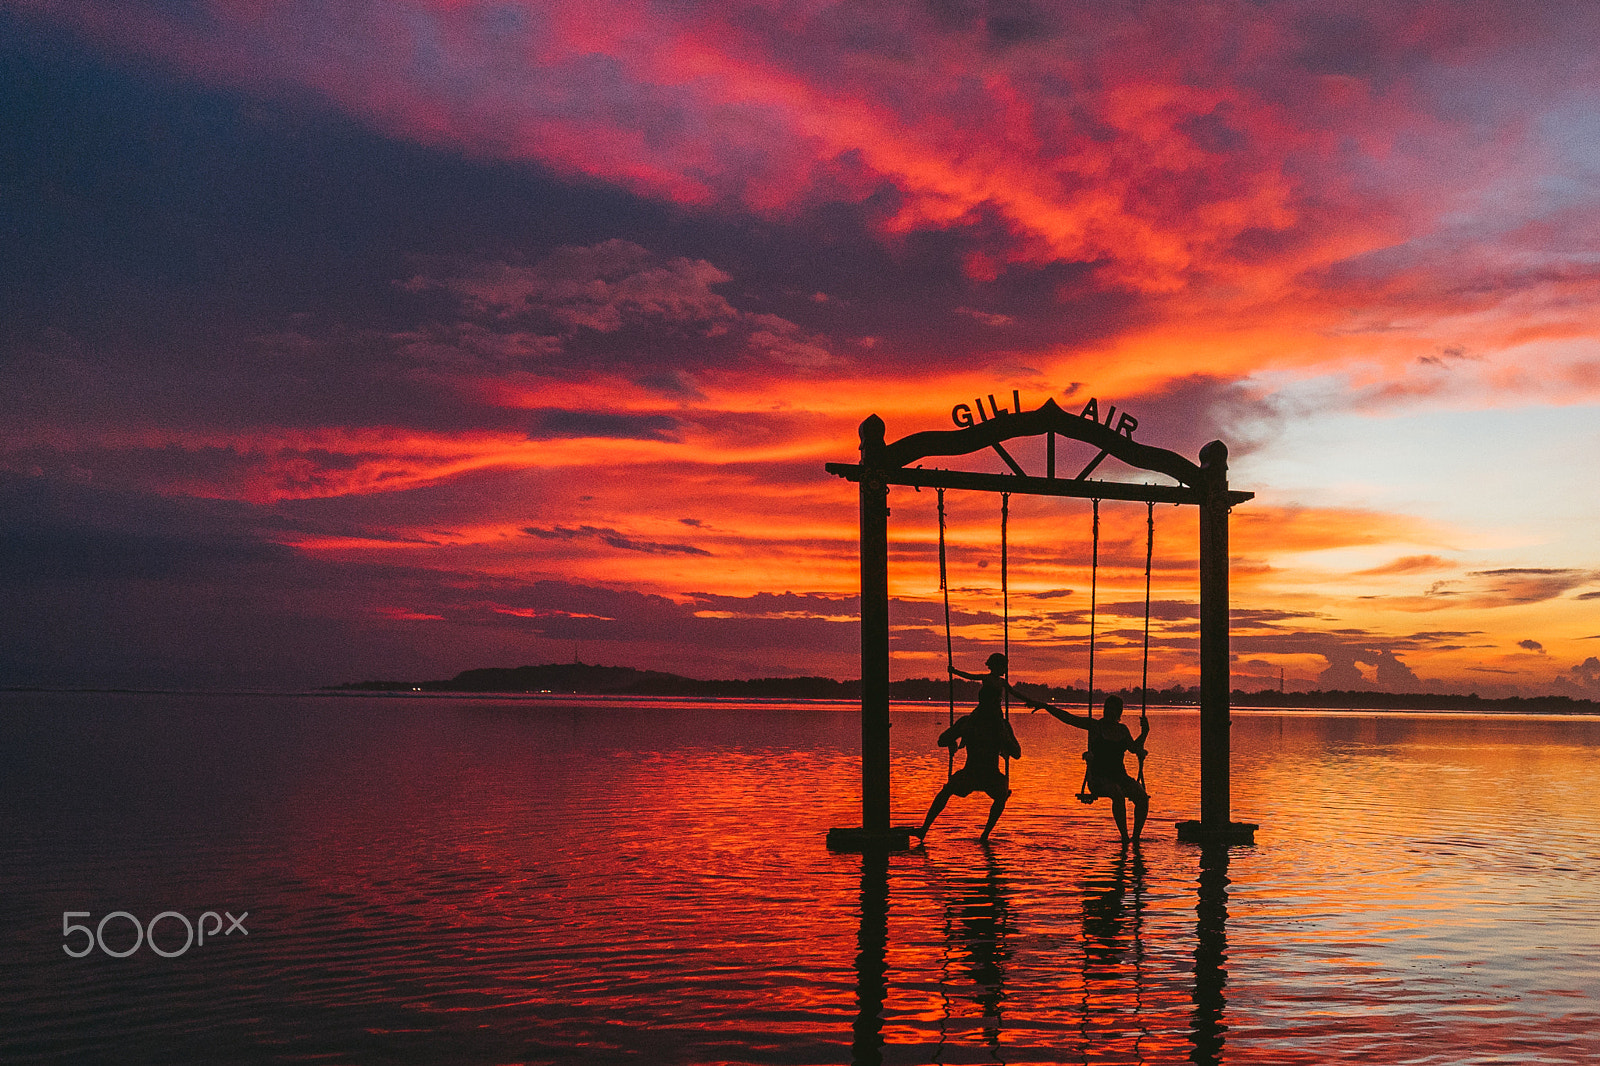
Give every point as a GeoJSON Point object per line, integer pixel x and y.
{"type": "Point", "coordinates": [1113, 955]}
{"type": "Point", "coordinates": [866, 1045]}
{"type": "Point", "coordinates": [1111, 919]}
{"type": "Point", "coordinates": [1210, 954]}
{"type": "Point", "coordinates": [978, 922]}
{"type": "Point", "coordinates": [1006, 976]}
{"type": "Point", "coordinates": [484, 882]}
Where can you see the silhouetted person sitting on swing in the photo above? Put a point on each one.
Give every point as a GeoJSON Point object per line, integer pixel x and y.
{"type": "Point", "coordinates": [1109, 740]}
{"type": "Point", "coordinates": [986, 735]}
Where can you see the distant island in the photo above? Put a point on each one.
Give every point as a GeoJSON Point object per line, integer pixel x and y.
{"type": "Point", "coordinates": [592, 680]}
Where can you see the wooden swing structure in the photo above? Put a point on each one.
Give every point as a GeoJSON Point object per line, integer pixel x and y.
{"type": "Point", "coordinates": [1204, 485]}
{"type": "Point", "coordinates": [1085, 793]}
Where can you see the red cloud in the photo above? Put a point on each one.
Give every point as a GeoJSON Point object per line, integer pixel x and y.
{"type": "Point", "coordinates": [1160, 141]}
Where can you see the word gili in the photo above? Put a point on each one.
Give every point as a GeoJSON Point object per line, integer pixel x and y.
{"type": "Point", "coordinates": [962, 415]}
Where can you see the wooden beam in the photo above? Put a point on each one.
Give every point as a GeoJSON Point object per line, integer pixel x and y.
{"type": "Point", "coordinates": [1016, 468]}
{"type": "Point", "coordinates": [1083, 474]}
{"type": "Point", "coordinates": [919, 477]}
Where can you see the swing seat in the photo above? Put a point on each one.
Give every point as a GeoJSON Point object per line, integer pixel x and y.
{"type": "Point", "coordinates": [1086, 794]}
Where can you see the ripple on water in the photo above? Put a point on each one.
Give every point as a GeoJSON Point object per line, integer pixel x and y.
{"type": "Point", "coordinates": [512, 881]}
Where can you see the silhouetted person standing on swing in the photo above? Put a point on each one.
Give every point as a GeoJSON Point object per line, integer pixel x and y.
{"type": "Point", "coordinates": [1109, 740]}
{"type": "Point", "coordinates": [986, 735]}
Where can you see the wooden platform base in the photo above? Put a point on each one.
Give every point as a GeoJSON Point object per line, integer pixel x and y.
{"type": "Point", "coordinates": [857, 839]}
{"type": "Point", "coordinates": [1231, 834]}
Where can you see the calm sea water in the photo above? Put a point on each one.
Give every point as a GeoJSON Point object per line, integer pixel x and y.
{"type": "Point", "coordinates": [498, 881]}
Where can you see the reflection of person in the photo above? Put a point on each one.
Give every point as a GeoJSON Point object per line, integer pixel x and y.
{"type": "Point", "coordinates": [986, 735]}
{"type": "Point", "coordinates": [1109, 740]}
{"type": "Point", "coordinates": [1108, 920]}
{"type": "Point", "coordinates": [982, 927]}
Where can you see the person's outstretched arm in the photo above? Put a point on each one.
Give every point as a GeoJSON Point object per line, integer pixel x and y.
{"type": "Point", "coordinates": [1081, 721]}
{"type": "Point", "coordinates": [1012, 689]}
{"type": "Point", "coordinates": [962, 673]}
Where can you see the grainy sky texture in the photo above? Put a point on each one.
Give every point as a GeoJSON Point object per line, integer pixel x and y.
{"type": "Point", "coordinates": [391, 339]}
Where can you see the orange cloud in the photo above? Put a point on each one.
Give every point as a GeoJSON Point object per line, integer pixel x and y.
{"type": "Point", "coordinates": [1409, 564]}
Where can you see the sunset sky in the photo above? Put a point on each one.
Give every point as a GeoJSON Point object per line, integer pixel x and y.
{"type": "Point", "coordinates": [387, 340]}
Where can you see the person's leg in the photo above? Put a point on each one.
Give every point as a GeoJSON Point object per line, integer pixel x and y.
{"type": "Point", "coordinates": [1119, 811]}
{"type": "Point", "coordinates": [933, 811]}
{"type": "Point", "coordinates": [995, 808]}
{"type": "Point", "coordinates": [1141, 807]}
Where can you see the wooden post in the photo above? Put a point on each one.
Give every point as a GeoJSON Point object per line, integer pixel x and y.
{"type": "Point", "coordinates": [874, 631]}
{"type": "Point", "coordinates": [875, 831]}
{"type": "Point", "coordinates": [1216, 822]}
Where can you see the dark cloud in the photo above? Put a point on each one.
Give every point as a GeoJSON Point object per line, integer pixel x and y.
{"type": "Point", "coordinates": [1517, 585]}
{"type": "Point", "coordinates": [555, 422]}
{"type": "Point", "coordinates": [599, 288]}
{"type": "Point", "coordinates": [1161, 610]}
{"type": "Point", "coordinates": [1524, 571]}
{"type": "Point", "coordinates": [1186, 413]}
{"type": "Point", "coordinates": [124, 589]}
{"type": "Point", "coordinates": [1210, 132]}
{"type": "Point", "coordinates": [1263, 618]}
{"type": "Point", "coordinates": [68, 534]}
{"type": "Point", "coordinates": [1447, 356]}
{"type": "Point", "coordinates": [1531, 645]}
{"type": "Point", "coordinates": [614, 539]}
{"type": "Point", "coordinates": [778, 605]}
{"type": "Point", "coordinates": [1338, 43]}
{"type": "Point", "coordinates": [1346, 650]}
{"type": "Point", "coordinates": [1581, 680]}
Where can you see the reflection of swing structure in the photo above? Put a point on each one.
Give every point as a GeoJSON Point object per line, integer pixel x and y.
{"type": "Point", "coordinates": [1204, 485]}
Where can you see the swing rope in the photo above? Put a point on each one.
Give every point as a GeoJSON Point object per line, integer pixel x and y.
{"type": "Point", "coordinates": [1094, 579]}
{"type": "Point", "coordinates": [949, 653]}
{"type": "Point", "coordinates": [1005, 588]}
{"type": "Point", "coordinates": [1085, 793]}
{"type": "Point", "coordinates": [1144, 674]}
{"type": "Point", "coordinates": [1005, 612]}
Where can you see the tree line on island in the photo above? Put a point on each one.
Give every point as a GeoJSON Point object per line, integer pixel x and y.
{"type": "Point", "coordinates": [587, 679]}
